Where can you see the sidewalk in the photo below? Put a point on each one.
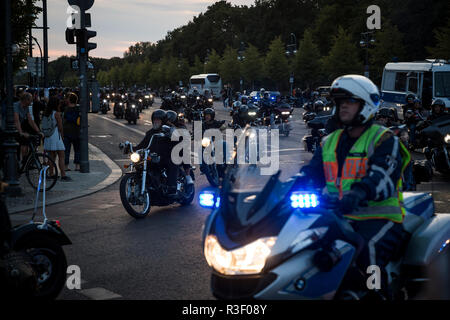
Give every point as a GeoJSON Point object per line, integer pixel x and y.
{"type": "Point", "coordinates": [103, 173]}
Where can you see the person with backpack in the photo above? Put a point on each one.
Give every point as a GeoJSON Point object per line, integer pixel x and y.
{"type": "Point", "coordinates": [52, 129]}
{"type": "Point", "coordinates": [72, 127]}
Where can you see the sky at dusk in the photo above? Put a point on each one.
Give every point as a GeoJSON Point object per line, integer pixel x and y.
{"type": "Point", "coordinates": [120, 24]}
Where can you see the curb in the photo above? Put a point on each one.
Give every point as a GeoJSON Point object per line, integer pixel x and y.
{"type": "Point", "coordinates": [116, 174]}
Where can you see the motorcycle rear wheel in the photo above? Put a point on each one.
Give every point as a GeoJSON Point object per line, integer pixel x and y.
{"type": "Point", "coordinates": [51, 261]}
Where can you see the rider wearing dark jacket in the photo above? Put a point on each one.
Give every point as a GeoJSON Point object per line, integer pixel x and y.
{"type": "Point", "coordinates": [163, 147]}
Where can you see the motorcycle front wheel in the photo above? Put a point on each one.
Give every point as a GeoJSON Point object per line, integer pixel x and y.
{"type": "Point", "coordinates": [136, 204]}
{"type": "Point", "coordinates": [50, 264]}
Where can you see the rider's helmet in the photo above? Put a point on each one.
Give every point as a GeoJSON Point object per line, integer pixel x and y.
{"type": "Point", "coordinates": [171, 116]}
{"type": "Point", "coordinates": [358, 88]}
{"type": "Point", "coordinates": [438, 103]}
{"type": "Point", "coordinates": [244, 99]}
{"type": "Point", "coordinates": [243, 109]}
{"type": "Point", "coordinates": [211, 112]}
{"type": "Point", "coordinates": [410, 98]}
{"type": "Point", "coordinates": [318, 106]}
{"type": "Point", "coordinates": [159, 114]}
{"type": "Point", "coordinates": [237, 105]}
{"type": "Point", "coordinates": [386, 113]}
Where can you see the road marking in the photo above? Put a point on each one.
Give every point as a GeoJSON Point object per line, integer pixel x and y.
{"type": "Point", "coordinates": [99, 294]}
{"type": "Point", "coordinates": [121, 124]}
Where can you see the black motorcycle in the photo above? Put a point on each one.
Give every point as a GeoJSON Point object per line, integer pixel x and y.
{"type": "Point", "coordinates": [119, 109]}
{"type": "Point", "coordinates": [32, 261]}
{"type": "Point", "coordinates": [438, 149]}
{"type": "Point", "coordinates": [104, 106]}
{"type": "Point", "coordinates": [146, 182]}
{"type": "Point", "coordinates": [131, 113]}
{"type": "Point", "coordinates": [318, 131]}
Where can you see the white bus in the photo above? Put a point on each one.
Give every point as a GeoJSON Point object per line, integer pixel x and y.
{"type": "Point", "coordinates": [427, 80]}
{"type": "Point", "coordinates": [202, 82]}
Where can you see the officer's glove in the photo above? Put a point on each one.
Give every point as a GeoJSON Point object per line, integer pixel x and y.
{"type": "Point", "coordinates": [351, 201]}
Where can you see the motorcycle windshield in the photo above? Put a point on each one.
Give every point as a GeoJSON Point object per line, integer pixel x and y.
{"type": "Point", "coordinates": [252, 197]}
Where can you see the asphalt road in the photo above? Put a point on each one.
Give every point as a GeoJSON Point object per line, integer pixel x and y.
{"type": "Point", "coordinates": [159, 257]}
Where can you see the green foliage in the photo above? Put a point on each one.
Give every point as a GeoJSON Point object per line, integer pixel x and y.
{"type": "Point", "coordinates": [230, 67]}
{"type": "Point", "coordinates": [442, 48]}
{"type": "Point", "coordinates": [252, 65]}
{"type": "Point", "coordinates": [212, 64]}
{"type": "Point", "coordinates": [343, 57]}
{"type": "Point", "coordinates": [276, 66]}
{"type": "Point", "coordinates": [307, 62]}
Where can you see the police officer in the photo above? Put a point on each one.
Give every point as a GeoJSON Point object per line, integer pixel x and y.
{"type": "Point", "coordinates": [362, 164]}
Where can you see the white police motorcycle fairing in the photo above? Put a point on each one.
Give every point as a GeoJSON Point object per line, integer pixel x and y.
{"type": "Point", "coordinates": [279, 243]}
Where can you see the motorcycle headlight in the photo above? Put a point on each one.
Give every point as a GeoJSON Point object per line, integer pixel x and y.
{"type": "Point", "coordinates": [123, 97]}
{"type": "Point", "coordinates": [107, 96]}
{"type": "Point", "coordinates": [121, 104]}
{"type": "Point", "coordinates": [249, 259]}
{"type": "Point", "coordinates": [147, 97]}
{"type": "Point", "coordinates": [135, 157]}
{"type": "Point", "coordinates": [104, 100]}
{"type": "Point", "coordinates": [151, 96]}
{"type": "Point", "coordinates": [133, 106]}
{"type": "Point", "coordinates": [252, 114]}
{"type": "Point", "coordinates": [285, 113]}
{"type": "Point", "coordinates": [140, 100]}
{"type": "Point", "coordinates": [206, 142]}
{"type": "Point", "coordinates": [210, 100]}
{"type": "Point", "coordinates": [183, 97]}
{"type": "Point", "coordinates": [447, 138]}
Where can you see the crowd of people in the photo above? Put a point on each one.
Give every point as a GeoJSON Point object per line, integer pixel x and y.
{"type": "Point", "coordinates": [54, 121]}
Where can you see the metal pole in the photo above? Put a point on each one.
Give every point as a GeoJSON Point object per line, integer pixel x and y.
{"type": "Point", "coordinates": [84, 103]}
{"type": "Point", "coordinates": [10, 145]}
{"type": "Point", "coordinates": [45, 31]}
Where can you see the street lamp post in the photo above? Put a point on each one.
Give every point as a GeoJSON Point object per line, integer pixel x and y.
{"type": "Point", "coordinates": [367, 41]}
{"type": "Point", "coordinates": [10, 145]}
{"type": "Point", "coordinates": [241, 58]}
{"type": "Point", "coordinates": [291, 51]}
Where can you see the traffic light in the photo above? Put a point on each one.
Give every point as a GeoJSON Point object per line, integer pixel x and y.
{"type": "Point", "coordinates": [83, 37]}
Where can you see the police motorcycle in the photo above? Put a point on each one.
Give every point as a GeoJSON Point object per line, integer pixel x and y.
{"type": "Point", "coordinates": [283, 113]}
{"type": "Point", "coordinates": [33, 264]}
{"type": "Point", "coordinates": [265, 239]}
{"type": "Point", "coordinates": [438, 144]}
{"type": "Point", "coordinates": [145, 184]}
{"type": "Point", "coordinates": [119, 107]}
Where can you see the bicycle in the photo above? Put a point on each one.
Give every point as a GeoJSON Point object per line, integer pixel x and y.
{"type": "Point", "coordinates": [34, 163]}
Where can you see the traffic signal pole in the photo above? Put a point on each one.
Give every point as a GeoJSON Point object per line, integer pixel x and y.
{"type": "Point", "coordinates": [84, 95]}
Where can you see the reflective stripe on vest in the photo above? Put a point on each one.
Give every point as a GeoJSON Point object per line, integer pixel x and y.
{"type": "Point", "coordinates": [355, 168]}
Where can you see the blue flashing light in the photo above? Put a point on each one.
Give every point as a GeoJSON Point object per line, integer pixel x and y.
{"type": "Point", "coordinates": [304, 200]}
{"type": "Point", "coordinates": [207, 199]}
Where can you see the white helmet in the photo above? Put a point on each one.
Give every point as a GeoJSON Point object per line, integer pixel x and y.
{"type": "Point", "coordinates": [359, 88]}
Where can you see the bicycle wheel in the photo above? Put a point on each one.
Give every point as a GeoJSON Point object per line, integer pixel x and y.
{"type": "Point", "coordinates": [33, 168]}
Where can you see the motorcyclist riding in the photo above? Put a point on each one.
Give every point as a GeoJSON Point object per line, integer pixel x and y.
{"type": "Point", "coordinates": [437, 109]}
{"type": "Point", "coordinates": [362, 165]}
{"type": "Point", "coordinates": [210, 122]}
{"type": "Point", "coordinates": [163, 147]}
{"type": "Point", "coordinates": [266, 108]}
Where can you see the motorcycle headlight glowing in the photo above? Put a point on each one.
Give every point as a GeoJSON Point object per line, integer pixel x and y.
{"type": "Point", "coordinates": [133, 106]}
{"type": "Point", "coordinates": [447, 138]}
{"type": "Point", "coordinates": [104, 100]}
{"type": "Point", "coordinates": [121, 104]}
{"type": "Point", "coordinates": [285, 113]}
{"type": "Point", "coordinates": [135, 157]}
{"type": "Point", "coordinates": [140, 100]}
{"type": "Point", "coordinates": [252, 114]}
{"type": "Point", "coordinates": [210, 100]}
{"type": "Point", "coordinates": [151, 96]}
{"type": "Point", "coordinates": [303, 200]}
{"type": "Point", "coordinates": [147, 97]}
{"type": "Point", "coordinates": [249, 259]}
{"type": "Point", "coordinates": [206, 142]}
{"type": "Point", "coordinates": [183, 97]}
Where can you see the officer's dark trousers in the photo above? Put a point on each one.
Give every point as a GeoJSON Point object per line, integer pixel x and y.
{"type": "Point", "coordinates": [382, 240]}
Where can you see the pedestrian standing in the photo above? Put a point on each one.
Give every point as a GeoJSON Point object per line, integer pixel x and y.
{"type": "Point", "coordinates": [71, 125]}
{"type": "Point", "coordinates": [53, 141]}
